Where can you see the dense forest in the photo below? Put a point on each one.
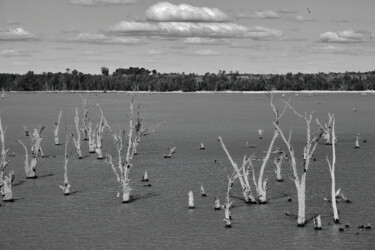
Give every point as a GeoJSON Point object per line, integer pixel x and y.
{"type": "Point", "coordinates": [146, 80]}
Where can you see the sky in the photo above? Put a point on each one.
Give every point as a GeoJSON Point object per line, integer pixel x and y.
{"type": "Point", "coordinates": [191, 36]}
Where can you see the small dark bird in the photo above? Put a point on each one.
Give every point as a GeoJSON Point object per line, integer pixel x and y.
{"type": "Point", "coordinates": [308, 10]}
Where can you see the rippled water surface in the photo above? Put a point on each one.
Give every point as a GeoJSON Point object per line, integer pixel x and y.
{"type": "Point", "coordinates": [94, 217]}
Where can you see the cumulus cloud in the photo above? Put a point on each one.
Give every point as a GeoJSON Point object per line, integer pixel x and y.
{"type": "Point", "coordinates": [346, 36]}
{"type": "Point", "coordinates": [206, 52]}
{"type": "Point", "coordinates": [167, 12]}
{"type": "Point", "coordinates": [15, 34]}
{"type": "Point", "coordinates": [101, 3]}
{"type": "Point", "coordinates": [206, 41]}
{"type": "Point", "coordinates": [264, 14]}
{"type": "Point", "coordinates": [303, 19]}
{"type": "Point", "coordinates": [155, 52]}
{"type": "Point", "coordinates": [189, 29]}
{"type": "Point", "coordinates": [103, 39]}
{"type": "Point", "coordinates": [15, 53]}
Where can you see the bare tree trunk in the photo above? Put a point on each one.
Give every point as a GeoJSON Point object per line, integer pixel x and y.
{"type": "Point", "coordinates": [191, 200]}
{"type": "Point", "coordinates": [332, 167]}
{"type": "Point", "coordinates": [278, 161]}
{"type": "Point", "coordinates": [57, 126]}
{"type": "Point", "coordinates": [35, 149]}
{"type": "Point", "coordinates": [356, 144]}
{"type": "Point", "coordinates": [6, 189]}
{"type": "Point", "coordinates": [261, 186]}
{"type": "Point", "coordinates": [308, 151]}
{"type": "Point", "coordinates": [77, 139]}
{"type": "Point", "coordinates": [92, 138]}
{"type": "Point", "coordinates": [318, 223]}
{"type": "Point", "coordinates": [85, 107]}
{"type": "Point", "coordinates": [245, 185]}
{"type": "Point", "coordinates": [228, 203]}
{"type": "Point", "coordinates": [99, 134]}
{"type": "Point", "coordinates": [66, 187]}
{"type": "Point", "coordinates": [30, 172]}
{"type": "Point", "coordinates": [326, 129]}
{"type": "Point", "coordinates": [217, 204]}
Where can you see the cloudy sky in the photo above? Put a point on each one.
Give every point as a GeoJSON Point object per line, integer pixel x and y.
{"type": "Point", "coordinates": [251, 36]}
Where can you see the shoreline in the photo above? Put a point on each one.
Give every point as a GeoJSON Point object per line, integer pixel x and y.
{"type": "Point", "coordinates": [197, 92]}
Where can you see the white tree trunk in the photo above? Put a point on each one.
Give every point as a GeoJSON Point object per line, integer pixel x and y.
{"type": "Point", "coordinates": [66, 186]}
{"type": "Point", "coordinates": [92, 138]}
{"type": "Point", "coordinates": [301, 196]}
{"type": "Point", "coordinates": [332, 168]}
{"type": "Point", "coordinates": [191, 200]}
{"type": "Point", "coordinates": [278, 161]}
{"type": "Point", "coordinates": [77, 138]}
{"type": "Point", "coordinates": [356, 144]}
{"type": "Point", "coordinates": [57, 126]}
{"type": "Point", "coordinates": [7, 187]}
{"type": "Point", "coordinates": [29, 170]}
{"type": "Point", "coordinates": [318, 222]}
{"type": "Point", "coordinates": [145, 176]}
{"type": "Point", "coordinates": [217, 204]}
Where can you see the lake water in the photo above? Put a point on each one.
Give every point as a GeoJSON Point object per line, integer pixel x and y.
{"type": "Point", "coordinates": [94, 217]}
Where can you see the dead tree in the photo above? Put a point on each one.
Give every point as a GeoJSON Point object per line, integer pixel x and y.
{"type": "Point", "coordinates": [57, 126]}
{"type": "Point", "coordinates": [171, 152]}
{"type": "Point", "coordinates": [30, 172]}
{"type": "Point", "coordinates": [5, 181]}
{"type": "Point", "coordinates": [326, 129]}
{"type": "Point", "coordinates": [99, 134]}
{"type": "Point", "coordinates": [261, 184]}
{"type": "Point", "coordinates": [332, 167]}
{"type": "Point", "coordinates": [66, 186]}
{"type": "Point", "coordinates": [242, 174]}
{"type": "Point", "coordinates": [124, 165]}
{"type": "Point", "coordinates": [278, 161]}
{"type": "Point", "coordinates": [300, 182]}
{"type": "Point", "coordinates": [77, 139]}
{"type": "Point", "coordinates": [85, 119]}
{"type": "Point", "coordinates": [228, 203]}
{"type": "Point", "coordinates": [191, 200]}
{"type": "Point", "coordinates": [92, 138]}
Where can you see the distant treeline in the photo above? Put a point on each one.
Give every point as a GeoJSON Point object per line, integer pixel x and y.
{"type": "Point", "coordinates": [146, 80]}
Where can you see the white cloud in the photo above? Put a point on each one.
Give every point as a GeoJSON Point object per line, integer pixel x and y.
{"type": "Point", "coordinates": [103, 39]}
{"type": "Point", "coordinates": [167, 12]}
{"type": "Point", "coordinates": [206, 52]}
{"type": "Point", "coordinates": [15, 53]}
{"type": "Point", "coordinates": [15, 34]}
{"type": "Point", "coordinates": [304, 19]}
{"type": "Point", "coordinates": [155, 52]}
{"type": "Point", "coordinates": [346, 36]}
{"type": "Point", "coordinates": [188, 29]}
{"type": "Point", "coordinates": [101, 3]}
{"type": "Point", "coordinates": [263, 14]}
{"type": "Point", "coordinates": [206, 41]}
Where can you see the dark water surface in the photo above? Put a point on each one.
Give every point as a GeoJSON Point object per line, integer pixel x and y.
{"type": "Point", "coordinates": [94, 217]}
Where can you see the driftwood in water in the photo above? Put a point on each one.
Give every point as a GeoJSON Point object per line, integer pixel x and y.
{"type": "Point", "coordinates": [66, 186]}
{"type": "Point", "coordinates": [77, 137]}
{"type": "Point", "coordinates": [56, 131]}
{"type": "Point", "coordinates": [300, 181]}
